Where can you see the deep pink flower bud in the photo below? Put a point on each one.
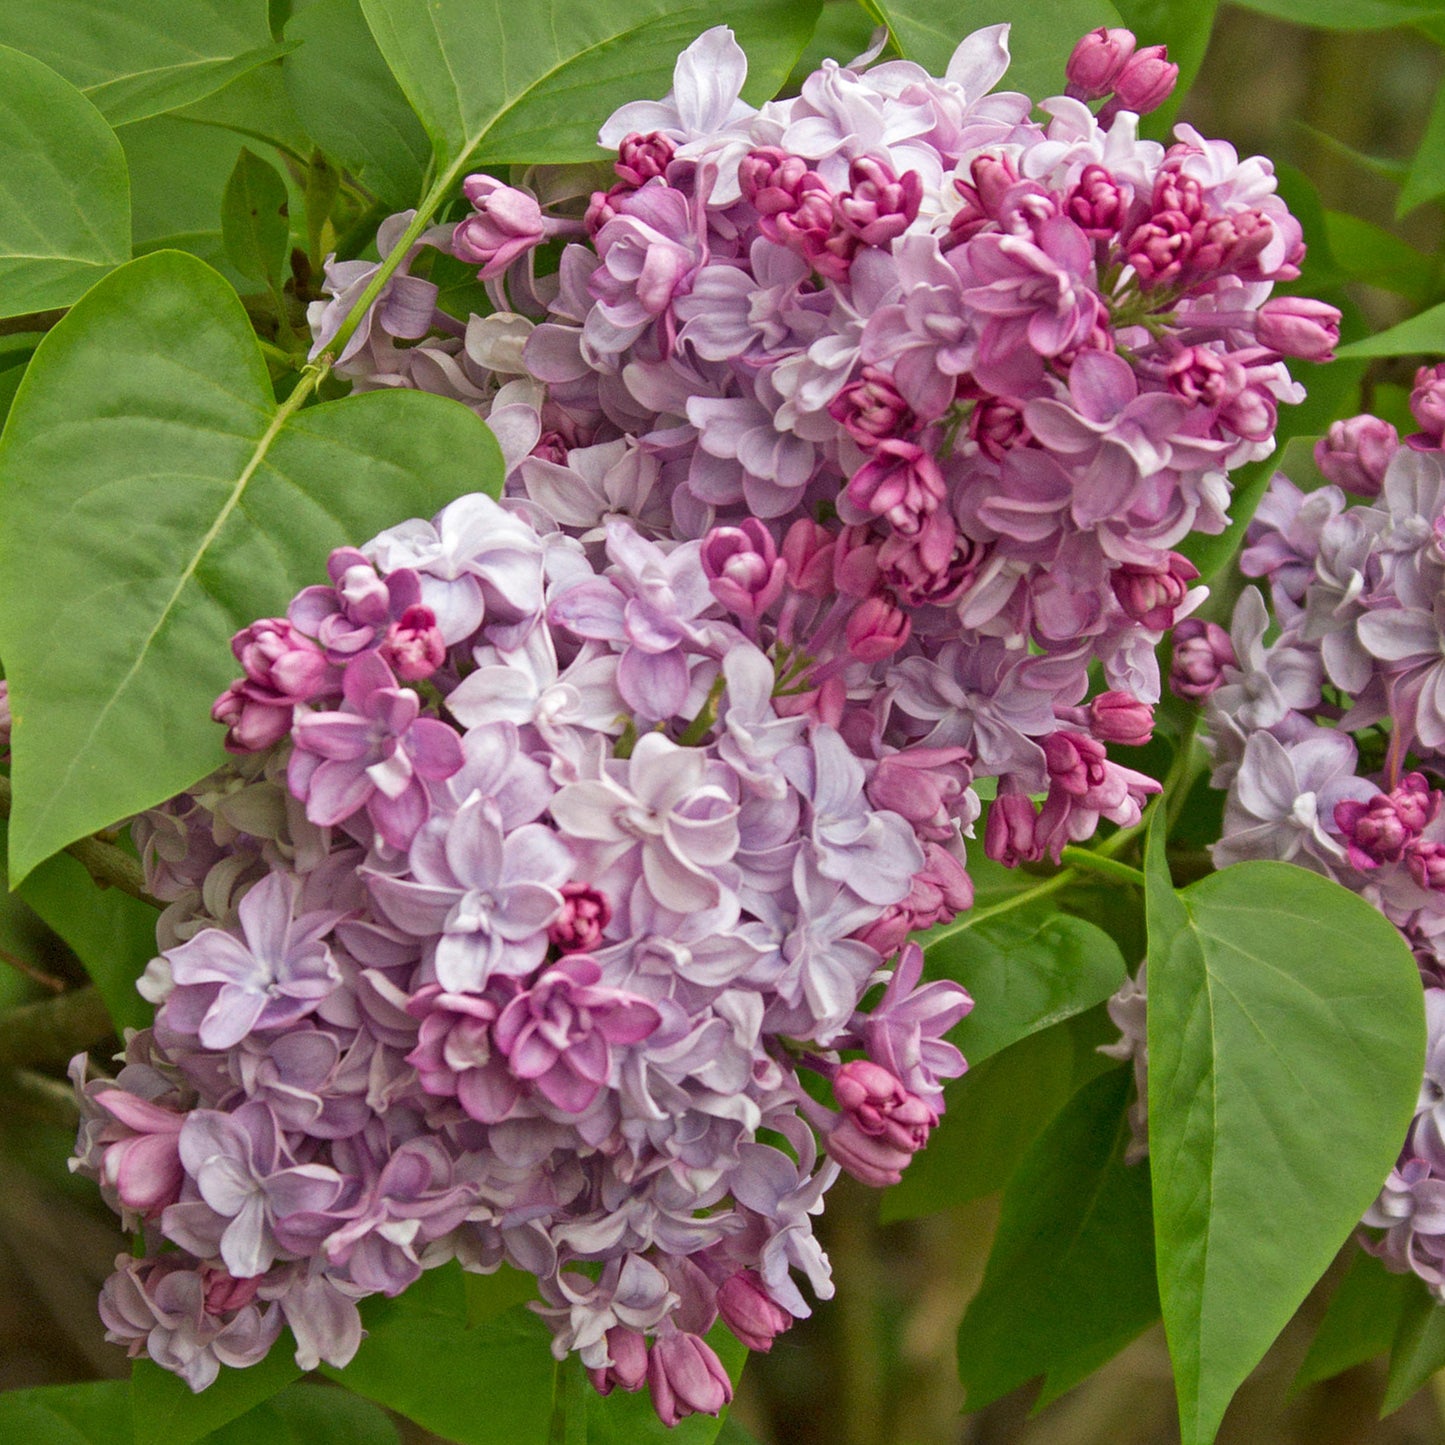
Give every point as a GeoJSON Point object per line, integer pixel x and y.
{"type": "Point", "coordinates": [414, 648]}
{"type": "Point", "coordinates": [1161, 248]}
{"type": "Point", "coordinates": [1178, 192]}
{"type": "Point", "coordinates": [993, 178]}
{"type": "Point", "coordinates": [855, 563]}
{"type": "Point", "coordinates": [1202, 650]}
{"type": "Point", "coordinates": [932, 567]}
{"type": "Point", "coordinates": [278, 659]}
{"type": "Point", "coordinates": [1151, 595]}
{"type": "Point", "coordinates": [937, 893]}
{"type": "Point", "coordinates": [1298, 326]}
{"type": "Point", "coordinates": [641, 158]}
{"type": "Point", "coordinates": [508, 223]}
{"type": "Point", "coordinates": [882, 1125]}
{"type": "Point", "coordinates": [1076, 763]}
{"type": "Point", "coordinates": [251, 725]}
{"type": "Point", "coordinates": [584, 918]}
{"type": "Point", "coordinates": [750, 1312]}
{"type": "Point", "coordinates": [628, 1370]}
{"type": "Point", "coordinates": [1146, 81]}
{"type": "Point", "coordinates": [1415, 802]}
{"type": "Point", "coordinates": [1097, 204]}
{"type": "Point", "coordinates": [142, 1162]}
{"type": "Point", "coordinates": [1096, 61]}
{"type": "Point", "coordinates": [1010, 836]}
{"type": "Point", "coordinates": [901, 482]}
{"type": "Point", "coordinates": [871, 410]}
{"type": "Point", "coordinates": [1427, 402]}
{"type": "Point", "coordinates": [877, 629]}
{"type": "Point", "coordinates": [1117, 717]}
{"type": "Point", "coordinates": [1426, 862]}
{"type": "Point", "coordinates": [1354, 453]}
{"type": "Point", "coordinates": [686, 1378]}
{"type": "Point", "coordinates": [1380, 830]}
{"type": "Point", "coordinates": [807, 552]}
{"type": "Point", "coordinates": [603, 207]}
{"type": "Point", "coordinates": [920, 784]}
{"type": "Point", "coordinates": [743, 568]}
{"type": "Point", "coordinates": [225, 1293]}
{"type": "Point", "coordinates": [997, 424]}
{"type": "Point", "coordinates": [879, 205]}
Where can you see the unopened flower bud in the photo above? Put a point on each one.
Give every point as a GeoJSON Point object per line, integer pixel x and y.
{"type": "Point", "coordinates": [251, 726]}
{"type": "Point", "coordinates": [686, 1378]}
{"type": "Point", "coordinates": [1152, 595]}
{"type": "Point", "coordinates": [750, 1312]}
{"type": "Point", "coordinates": [414, 648]}
{"type": "Point", "coordinates": [1118, 717]}
{"type": "Point", "coordinates": [871, 410]}
{"type": "Point", "coordinates": [628, 1370]}
{"type": "Point", "coordinates": [877, 629]}
{"type": "Point", "coordinates": [1427, 402]}
{"type": "Point", "coordinates": [1096, 61]}
{"type": "Point", "coordinates": [743, 568]}
{"type": "Point", "coordinates": [583, 920]}
{"type": "Point", "coordinates": [1426, 862]}
{"type": "Point", "coordinates": [1354, 453]}
{"type": "Point", "coordinates": [1010, 836]}
{"type": "Point", "coordinates": [1202, 650]}
{"type": "Point", "coordinates": [508, 223]}
{"type": "Point", "coordinates": [807, 552]}
{"type": "Point", "coordinates": [642, 158]}
{"type": "Point", "coordinates": [1146, 81]}
{"type": "Point", "coordinates": [1298, 326]}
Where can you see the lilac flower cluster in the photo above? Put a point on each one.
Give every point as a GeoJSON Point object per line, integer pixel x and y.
{"type": "Point", "coordinates": [568, 834]}
{"type": "Point", "coordinates": [1331, 736]}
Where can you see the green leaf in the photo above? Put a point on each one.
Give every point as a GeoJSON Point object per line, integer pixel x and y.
{"type": "Point", "coordinates": [350, 103]}
{"type": "Point", "coordinates": [192, 506]}
{"type": "Point", "coordinates": [1040, 39]}
{"type": "Point", "coordinates": [488, 1385]}
{"type": "Point", "coordinates": [111, 933]}
{"type": "Point", "coordinates": [64, 191]}
{"type": "Point", "coordinates": [1361, 1320]}
{"type": "Point", "coordinates": [146, 56]}
{"type": "Point", "coordinates": [533, 82]}
{"type": "Point", "coordinates": [994, 1114]}
{"type": "Point", "coordinates": [1369, 253]}
{"type": "Point", "coordinates": [845, 29]}
{"type": "Point", "coordinates": [94, 1414]}
{"type": "Point", "coordinates": [1418, 1349]}
{"type": "Point", "coordinates": [733, 1434]}
{"type": "Point", "coordinates": [258, 106]}
{"type": "Point", "coordinates": [310, 1414]}
{"type": "Point", "coordinates": [1285, 1046]}
{"type": "Point", "coordinates": [1070, 1280]}
{"type": "Point", "coordinates": [165, 1412]}
{"type": "Point", "coordinates": [1346, 14]}
{"type": "Point", "coordinates": [254, 225]}
{"type": "Point", "coordinates": [1025, 970]}
{"type": "Point", "coordinates": [1422, 335]}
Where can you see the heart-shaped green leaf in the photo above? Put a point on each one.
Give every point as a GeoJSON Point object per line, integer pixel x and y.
{"type": "Point", "coordinates": [153, 500]}
{"type": "Point", "coordinates": [1286, 1038]}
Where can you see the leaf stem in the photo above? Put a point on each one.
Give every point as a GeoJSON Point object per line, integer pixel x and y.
{"type": "Point", "coordinates": [111, 867]}
{"type": "Point", "coordinates": [1105, 867]}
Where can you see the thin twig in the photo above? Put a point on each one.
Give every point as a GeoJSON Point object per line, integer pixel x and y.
{"type": "Point", "coordinates": [45, 980]}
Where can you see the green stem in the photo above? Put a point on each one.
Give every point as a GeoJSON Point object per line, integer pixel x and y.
{"type": "Point", "coordinates": [701, 725]}
{"type": "Point", "coordinates": [1089, 862]}
{"type": "Point", "coordinates": [1180, 777]}
{"type": "Point", "coordinates": [1024, 896]}
{"type": "Point", "coordinates": [111, 867]}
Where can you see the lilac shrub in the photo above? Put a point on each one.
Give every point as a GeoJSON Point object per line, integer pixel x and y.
{"type": "Point", "coordinates": [573, 842]}
{"type": "Point", "coordinates": [1329, 730]}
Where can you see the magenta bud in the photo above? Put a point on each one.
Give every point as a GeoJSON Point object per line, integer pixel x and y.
{"type": "Point", "coordinates": [1152, 595]}
{"type": "Point", "coordinates": [628, 1370]}
{"type": "Point", "coordinates": [251, 725]}
{"type": "Point", "coordinates": [1427, 402]}
{"type": "Point", "coordinates": [414, 648]}
{"type": "Point", "coordinates": [686, 1378]}
{"type": "Point", "coordinates": [807, 552]}
{"type": "Point", "coordinates": [997, 425]}
{"type": "Point", "coordinates": [642, 158]}
{"type": "Point", "coordinates": [1426, 862]}
{"type": "Point", "coordinates": [508, 223]}
{"type": "Point", "coordinates": [584, 918]}
{"type": "Point", "coordinates": [1298, 326]}
{"type": "Point", "coordinates": [1202, 650]}
{"type": "Point", "coordinates": [1117, 717]}
{"type": "Point", "coordinates": [1096, 61]}
{"type": "Point", "coordinates": [1011, 833]}
{"type": "Point", "coordinates": [225, 1293]}
{"type": "Point", "coordinates": [1354, 453]}
{"type": "Point", "coordinates": [750, 1312]}
{"type": "Point", "coordinates": [877, 629]}
{"type": "Point", "coordinates": [880, 206]}
{"type": "Point", "coordinates": [1075, 762]}
{"type": "Point", "coordinates": [901, 482]}
{"type": "Point", "coordinates": [743, 568]}
{"type": "Point", "coordinates": [1146, 80]}
{"type": "Point", "coordinates": [871, 410]}
{"type": "Point", "coordinates": [1098, 203]}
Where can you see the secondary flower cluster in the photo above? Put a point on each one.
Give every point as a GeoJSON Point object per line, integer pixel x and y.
{"type": "Point", "coordinates": [1331, 737]}
{"type": "Point", "coordinates": [568, 834]}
